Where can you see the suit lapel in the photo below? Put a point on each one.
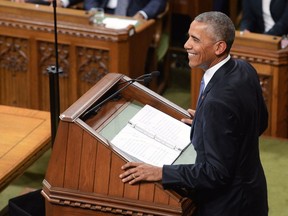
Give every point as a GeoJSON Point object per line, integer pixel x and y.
{"type": "Point", "coordinates": [219, 75]}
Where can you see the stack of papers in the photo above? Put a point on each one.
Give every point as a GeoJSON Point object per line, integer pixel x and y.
{"type": "Point", "coordinates": [117, 23]}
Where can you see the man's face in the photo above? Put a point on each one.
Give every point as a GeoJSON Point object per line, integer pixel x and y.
{"type": "Point", "coordinates": [201, 46]}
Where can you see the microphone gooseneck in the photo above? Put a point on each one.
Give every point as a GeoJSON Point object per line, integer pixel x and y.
{"type": "Point", "coordinates": [146, 78]}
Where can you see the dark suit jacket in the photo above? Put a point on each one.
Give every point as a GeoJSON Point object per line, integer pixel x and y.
{"type": "Point", "coordinates": [252, 18]}
{"type": "Point", "coordinates": [151, 7]}
{"type": "Point", "coordinates": [227, 178]}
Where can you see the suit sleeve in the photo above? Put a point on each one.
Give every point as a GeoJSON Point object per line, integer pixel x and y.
{"type": "Point", "coordinates": [88, 4]}
{"type": "Point", "coordinates": [247, 20]}
{"type": "Point", "coordinates": [281, 26]}
{"type": "Point", "coordinates": [73, 2]}
{"type": "Point", "coordinates": [216, 159]}
{"type": "Point", "coordinates": [154, 7]}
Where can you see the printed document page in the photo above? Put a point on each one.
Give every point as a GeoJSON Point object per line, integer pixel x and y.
{"type": "Point", "coordinates": [164, 128]}
{"type": "Point", "coordinates": [153, 137]}
{"type": "Point", "coordinates": [144, 148]}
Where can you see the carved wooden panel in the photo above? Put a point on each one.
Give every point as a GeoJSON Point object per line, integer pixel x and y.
{"type": "Point", "coordinates": [85, 53]}
{"type": "Point", "coordinates": [14, 59]}
{"type": "Point", "coordinates": [266, 83]}
{"type": "Point", "coordinates": [92, 64]}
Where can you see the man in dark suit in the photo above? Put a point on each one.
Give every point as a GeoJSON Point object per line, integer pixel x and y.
{"type": "Point", "coordinates": [268, 17]}
{"type": "Point", "coordinates": [227, 178]}
{"type": "Point", "coordinates": [145, 9]}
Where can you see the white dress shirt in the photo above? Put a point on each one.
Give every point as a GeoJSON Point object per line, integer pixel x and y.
{"type": "Point", "coordinates": [211, 71]}
{"type": "Point", "coordinates": [268, 20]}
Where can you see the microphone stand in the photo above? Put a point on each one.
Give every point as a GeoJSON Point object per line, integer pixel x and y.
{"type": "Point", "coordinates": [54, 83]}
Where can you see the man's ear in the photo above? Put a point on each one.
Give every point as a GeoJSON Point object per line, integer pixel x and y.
{"type": "Point", "coordinates": [220, 47]}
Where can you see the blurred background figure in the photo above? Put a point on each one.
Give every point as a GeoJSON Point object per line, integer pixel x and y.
{"type": "Point", "coordinates": [221, 5]}
{"type": "Point", "coordinates": [265, 16]}
{"type": "Point", "coordinates": [59, 3]}
{"type": "Point", "coordinates": [143, 9]}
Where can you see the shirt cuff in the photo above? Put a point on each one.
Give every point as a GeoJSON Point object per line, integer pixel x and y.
{"type": "Point", "coordinates": [143, 14]}
{"type": "Point", "coordinates": [65, 3]}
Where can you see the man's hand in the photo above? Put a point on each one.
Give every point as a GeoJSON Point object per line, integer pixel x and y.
{"type": "Point", "coordinates": [136, 172]}
{"type": "Point", "coordinates": [59, 3]}
{"type": "Point", "coordinates": [18, 1]}
{"type": "Point", "coordinates": [139, 16]}
{"type": "Point", "coordinates": [189, 120]}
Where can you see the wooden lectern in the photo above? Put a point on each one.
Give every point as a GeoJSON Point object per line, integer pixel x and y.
{"type": "Point", "coordinates": [271, 62]}
{"type": "Point", "coordinates": [83, 173]}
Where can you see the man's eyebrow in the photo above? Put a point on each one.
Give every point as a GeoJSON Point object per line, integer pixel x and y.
{"type": "Point", "coordinates": [195, 37]}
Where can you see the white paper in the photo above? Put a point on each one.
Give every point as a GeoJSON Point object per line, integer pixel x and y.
{"type": "Point", "coordinates": [143, 148]}
{"type": "Point", "coordinates": [162, 127]}
{"type": "Point", "coordinates": [153, 137]}
{"type": "Point", "coordinates": [117, 23]}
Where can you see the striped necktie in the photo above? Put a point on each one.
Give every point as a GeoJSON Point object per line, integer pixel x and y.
{"type": "Point", "coordinates": [202, 85]}
{"type": "Point", "coordinates": [121, 8]}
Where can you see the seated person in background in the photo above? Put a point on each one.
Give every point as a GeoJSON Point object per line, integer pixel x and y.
{"type": "Point", "coordinates": [139, 9]}
{"type": "Point", "coordinates": [265, 16]}
{"type": "Point", "coordinates": [221, 5]}
{"type": "Point", "coordinates": [60, 3]}
{"type": "Point", "coordinates": [66, 3]}
{"type": "Point", "coordinates": [42, 2]}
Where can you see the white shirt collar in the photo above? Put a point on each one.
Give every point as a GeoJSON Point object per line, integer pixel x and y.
{"type": "Point", "coordinates": [211, 71]}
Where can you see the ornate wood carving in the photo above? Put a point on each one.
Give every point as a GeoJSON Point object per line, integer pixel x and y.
{"type": "Point", "coordinates": [78, 30]}
{"type": "Point", "coordinates": [46, 51]}
{"type": "Point", "coordinates": [266, 84]}
{"type": "Point", "coordinates": [93, 64]}
{"type": "Point", "coordinates": [84, 53]}
{"type": "Point", "coordinates": [13, 54]}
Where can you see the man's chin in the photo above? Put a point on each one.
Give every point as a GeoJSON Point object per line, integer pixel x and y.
{"type": "Point", "coordinates": [191, 65]}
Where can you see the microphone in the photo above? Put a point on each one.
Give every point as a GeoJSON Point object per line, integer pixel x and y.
{"type": "Point", "coordinates": [145, 78]}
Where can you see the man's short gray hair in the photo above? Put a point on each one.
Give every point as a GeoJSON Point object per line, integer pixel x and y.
{"type": "Point", "coordinates": [220, 26]}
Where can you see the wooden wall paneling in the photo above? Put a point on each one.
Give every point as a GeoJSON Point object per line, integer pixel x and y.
{"type": "Point", "coordinates": [85, 52]}
{"type": "Point", "coordinates": [88, 165]}
{"type": "Point", "coordinates": [34, 78]}
{"type": "Point", "coordinates": [160, 196]}
{"type": "Point", "coordinates": [59, 155]}
{"type": "Point", "coordinates": [116, 187]}
{"type": "Point", "coordinates": [91, 65]}
{"type": "Point", "coordinates": [102, 175]}
{"type": "Point", "coordinates": [279, 101]}
{"type": "Point", "coordinates": [73, 158]}
{"type": "Point", "coordinates": [143, 195]}
{"type": "Point", "coordinates": [14, 59]}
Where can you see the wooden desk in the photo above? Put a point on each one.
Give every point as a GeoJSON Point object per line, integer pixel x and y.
{"type": "Point", "coordinates": [86, 53]}
{"type": "Point", "coordinates": [24, 137]}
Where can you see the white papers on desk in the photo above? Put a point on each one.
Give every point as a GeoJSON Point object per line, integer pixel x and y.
{"type": "Point", "coordinates": [153, 137]}
{"type": "Point", "coordinates": [117, 23]}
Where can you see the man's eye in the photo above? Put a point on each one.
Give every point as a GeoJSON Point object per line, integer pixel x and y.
{"type": "Point", "coordinates": [195, 39]}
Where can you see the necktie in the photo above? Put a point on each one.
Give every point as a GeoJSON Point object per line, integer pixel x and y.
{"type": "Point", "coordinates": [121, 8]}
{"type": "Point", "coordinates": [202, 85]}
